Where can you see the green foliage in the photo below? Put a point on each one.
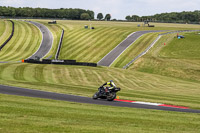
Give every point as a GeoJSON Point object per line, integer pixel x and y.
{"type": "Point", "coordinates": [44, 12]}
{"type": "Point", "coordinates": [178, 17]}
{"type": "Point", "coordinates": [132, 18]}
{"type": "Point", "coordinates": [85, 16]}
{"type": "Point", "coordinates": [108, 17]}
{"type": "Point", "coordinates": [100, 16]}
{"type": "Point", "coordinates": [128, 18]}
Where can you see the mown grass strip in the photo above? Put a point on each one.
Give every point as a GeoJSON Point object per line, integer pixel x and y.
{"type": "Point", "coordinates": [25, 41]}
{"type": "Point", "coordinates": [10, 37]}
{"type": "Point", "coordinates": [41, 115]}
{"type": "Point", "coordinates": [3, 27]}
{"type": "Point", "coordinates": [177, 58]}
{"type": "Point", "coordinates": [56, 31]}
{"type": "Point", "coordinates": [59, 45]}
{"type": "Point", "coordinates": [135, 49]}
{"type": "Point", "coordinates": [89, 42]}
{"type": "Point", "coordinates": [85, 81]}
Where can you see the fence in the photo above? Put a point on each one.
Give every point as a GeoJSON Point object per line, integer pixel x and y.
{"type": "Point", "coordinates": [60, 44]}
{"type": "Point", "coordinates": [152, 44]}
{"type": "Point", "coordinates": [60, 62]}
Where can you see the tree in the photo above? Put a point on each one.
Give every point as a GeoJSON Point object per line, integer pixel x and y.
{"type": "Point", "coordinates": [128, 18]}
{"type": "Point", "coordinates": [100, 16]}
{"type": "Point", "coordinates": [13, 13]}
{"type": "Point", "coordinates": [135, 18]}
{"type": "Point", "coordinates": [91, 13]}
{"type": "Point", "coordinates": [70, 13]}
{"type": "Point", "coordinates": [107, 17]}
{"type": "Point", "coordinates": [85, 16]}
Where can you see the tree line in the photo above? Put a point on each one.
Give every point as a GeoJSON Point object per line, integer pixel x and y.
{"type": "Point", "coordinates": [173, 17]}
{"type": "Point", "coordinates": [100, 17]}
{"type": "Point", "coordinates": [74, 14]}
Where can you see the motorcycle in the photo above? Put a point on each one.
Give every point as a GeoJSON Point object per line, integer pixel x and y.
{"type": "Point", "coordinates": [106, 93]}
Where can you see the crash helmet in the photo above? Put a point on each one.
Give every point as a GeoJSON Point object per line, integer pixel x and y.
{"type": "Point", "coordinates": [111, 80]}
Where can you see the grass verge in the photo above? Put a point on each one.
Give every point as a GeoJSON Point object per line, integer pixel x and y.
{"type": "Point", "coordinates": [5, 30]}
{"type": "Point", "coordinates": [24, 43]}
{"type": "Point", "coordinates": [23, 114]}
{"type": "Point", "coordinates": [87, 45]}
{"type": "Point", "coordinates": [179, 58]}
{"type": "Point", "coordinates": [84, 81]}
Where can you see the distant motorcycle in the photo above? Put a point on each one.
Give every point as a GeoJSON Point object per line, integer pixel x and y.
{"type": "Point", "coordinates": [106, 93]}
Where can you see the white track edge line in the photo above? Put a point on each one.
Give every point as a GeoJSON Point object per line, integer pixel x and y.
{"type": "Point", "coordinates": [125, 50]}
{"type": "Point", "coordinates": [116, 46]}
{"type": "Point", "coordinates": [51, 42]}
{"type": "Point", "coordinates": [128, 47]}
{"type": "Point", "coordinates": [148, 103]}
{"type": "Point", "coordinates": [41, 41]}
{"type": "Point", "coordinates": [145, 51]}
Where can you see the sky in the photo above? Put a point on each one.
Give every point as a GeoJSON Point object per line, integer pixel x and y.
{"type": "Point", "coordinates": [118, 9]}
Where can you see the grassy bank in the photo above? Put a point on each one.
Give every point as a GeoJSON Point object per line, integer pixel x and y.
{"type": "Point", "coordinates": [167, 74]}
{"type": "Point", "coordinates": [179, 58]}
{"type": "Point", "coordinates": [87, 45]}
{"type": "Point", "coordinates": [56, 31]}
{"type": "Point", "coordinates": [5, 30]}
{"type": "Point", "coordinates": [22, 114]}
{"type": "Point", "coordinates": [24, 43]}
{"type": "Point", "coordinates": [134, 50]}
{"type": "Point", "coordinates": [84, 81]}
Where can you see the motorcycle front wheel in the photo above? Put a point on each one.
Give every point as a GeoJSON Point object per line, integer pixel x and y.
{"type": "Point", "coordinates": [95, 96]}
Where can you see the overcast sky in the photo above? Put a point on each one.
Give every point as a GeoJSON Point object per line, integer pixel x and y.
{"type": "Point", "coordinates": [119, 9]}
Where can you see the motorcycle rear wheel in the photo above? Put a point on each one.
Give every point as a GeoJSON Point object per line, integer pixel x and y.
{"type": "Point", "coordinates": [111, 96]}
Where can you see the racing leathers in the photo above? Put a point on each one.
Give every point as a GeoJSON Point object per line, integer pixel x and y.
{"type": "Point", "coordinates": [111, 84]}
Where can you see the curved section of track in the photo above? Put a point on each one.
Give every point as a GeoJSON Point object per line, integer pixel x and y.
{"type": "Point", "coordinates": [46, 43]}
{"type": "Point", "coordinates": [152, 44]}
{"type": "Point", "coordinates": [117, 51]}
{"type": "Point", "coordinates": [64, 97]}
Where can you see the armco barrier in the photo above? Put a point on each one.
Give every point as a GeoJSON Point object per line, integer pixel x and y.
{"type": "Point", "coordinates": [60, 62]}
{"type": "Point", "coordinates": [59, 45]}
{"type": "Point", "coordinates": [11, 35]}
{"type": "Point", "coordinates": [46, 61]}
{"type": "Point", "coordinates": [152, 44]}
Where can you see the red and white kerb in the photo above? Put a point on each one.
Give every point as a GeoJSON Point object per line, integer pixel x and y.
{"type": "Point", "coordinates": [154, 104]}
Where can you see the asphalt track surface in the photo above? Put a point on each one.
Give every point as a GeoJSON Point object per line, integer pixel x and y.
{"type": "Point", "coordinates": [46, 43]}
{"type": "Point", "coordinates": [9, 61]}
{"type": "Point", "coordinates": [117, 51]}
{"type": "Point", "coordinates": [71, 98]}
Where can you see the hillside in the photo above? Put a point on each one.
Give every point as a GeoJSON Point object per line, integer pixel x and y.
{"type": "Point", "coordinates": [5, 30]}
{"type": "Point", "coordinates": [84, 81]}
{"type": "Point", "coordinates": [25, 41]}
{"type": "Point", "coordinates": [23, 114]}
{"type": "Point", "coordinates": [87, 45]}
{"type": "Point", "coordinates": [179, 58]}
{"type": "Point", "coordinates": [167, 74]}
{"type": "Point", "coordinates": [75, 80]}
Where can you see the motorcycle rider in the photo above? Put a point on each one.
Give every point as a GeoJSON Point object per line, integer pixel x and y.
{"type": "Point", "coordinates": [109, 83]}
{"type": "Point", "coordinates": [105, 92]}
